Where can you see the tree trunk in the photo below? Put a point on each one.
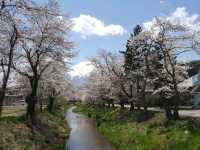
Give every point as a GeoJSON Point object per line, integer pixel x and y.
{"type": "Point", "coordinates": [177, 94]}
{"type": "Point", "coordinates": [31, 116]}
{"type": "Point", "coordinates": [144, 102]}
{"type": "Point", "coordinates": [168, 113]}
{"type": "Point", "coordinates": [3, 90]}
{"type": "Point", "coordinates": [167, 106]}
{"type": "Point", "coordinates": [32, 100]}
{"type": "Point", "coordinates": [6, 73]}
{"type": "Point", "coordinates": [176, 113]}
{"type": "Point", "coordinates": [109, 104]}
{"type": "Point", "coordinates": [131, 93]}
{"type": "Point", "coordinates": [2, 95]}
{"type": "Point", "coordinates": [132, 107]}
{"type": "Point", "coordinates": [113, 105]}
{"type": "Point", "coordinates": [176, 102]}
{"type": "Point", "coordinates": [138, 92]}
{"type": "Point", "coordinates": [145, 109]}
{"type": "Point", "coordinates": [122, 105]}
{"type": "Point", "coordinates": [41, 105]}
{"type": "Point", "coordinates": [51, 103]}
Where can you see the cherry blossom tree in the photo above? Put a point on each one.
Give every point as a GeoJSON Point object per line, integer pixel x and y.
{"type": "Point", "coordinates": [109, 67]}
{"type": "Point", "coordinates": [54, 82]}
{"type": "Point", "coordinates": [8, 40]}
{"type": "Point", "coordinates": [172, 40]}
{"type": "Point", "coordinates": [43, 42]}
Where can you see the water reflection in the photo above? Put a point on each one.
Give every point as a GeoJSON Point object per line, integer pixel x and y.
{"type": "Point", "coordinates": [84, 135]}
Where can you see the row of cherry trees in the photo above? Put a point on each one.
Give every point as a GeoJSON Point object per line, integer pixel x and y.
{"type": "Point", "coordinates": [34, 44]}
{"type": "Point", "coordinates": [146, 70]}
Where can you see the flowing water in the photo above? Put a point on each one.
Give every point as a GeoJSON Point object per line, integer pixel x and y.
{"type": "Point", "coordinates": [84, 134]}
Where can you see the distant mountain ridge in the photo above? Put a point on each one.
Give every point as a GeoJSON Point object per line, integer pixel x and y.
{"type": "Point", "coordinates": [78, 81]}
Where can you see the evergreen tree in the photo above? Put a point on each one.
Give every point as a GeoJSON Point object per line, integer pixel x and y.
{"type": "Point", "coordinates": [131, 62]}
{"type": "Point", "coordinates": [131, 54]}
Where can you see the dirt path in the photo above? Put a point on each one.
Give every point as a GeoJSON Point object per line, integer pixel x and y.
{"type": "Point", "coordinates": [190, 113]}
{"type": "Point", "coordinates": [187, 113]}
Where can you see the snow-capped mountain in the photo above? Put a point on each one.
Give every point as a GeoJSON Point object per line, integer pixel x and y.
{"type": "Point", "coordinates": [81, 69]}
{"type": "Point", "coordinates": [80, 72]}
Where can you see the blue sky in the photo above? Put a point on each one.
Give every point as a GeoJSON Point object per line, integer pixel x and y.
{"type": "Point", "coordinates": [126, 14]}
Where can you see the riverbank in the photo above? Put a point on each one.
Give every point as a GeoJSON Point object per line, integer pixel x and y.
{"type": "Point", "coordinates": [135, 131]}
{"type": "Point", "coordinates": [50, 132]}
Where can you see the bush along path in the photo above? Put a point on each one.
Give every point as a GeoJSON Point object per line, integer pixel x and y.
{"type": "Point", "coordinates": [139, 131]}
{"type": "Point", "coordinates": [50, 132]}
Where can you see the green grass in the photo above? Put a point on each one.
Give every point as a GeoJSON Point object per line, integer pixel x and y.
{"type": "Point", "coordinates": [50, 132]}
{"type": "Point", "coordinates": [134, 131]}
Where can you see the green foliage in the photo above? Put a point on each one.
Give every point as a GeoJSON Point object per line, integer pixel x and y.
{"type": "Point", "coordinates": [131, 55]}
{"type": "Point", "coordinates": [61, 104]}
{"type": "Point", "coordinates": [126, 131]}
{"type": "Point", "coordinates": [54, 128]}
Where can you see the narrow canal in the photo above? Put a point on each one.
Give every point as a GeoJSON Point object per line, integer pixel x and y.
{"type": "Point", "coordinates": [84, 134]}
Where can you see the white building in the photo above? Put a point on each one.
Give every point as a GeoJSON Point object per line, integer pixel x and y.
{"type": "Point", "coordinates": [193, 84]}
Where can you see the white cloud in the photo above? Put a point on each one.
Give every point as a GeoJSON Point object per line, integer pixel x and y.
{"type": "Point", "coordinates": [81, 69]}
{"type": "Point", "coordinates": [179, 16]}
{"type": "Point", "coordinates": [149, 24]}
{"type": "Point", "coordinates": [87, 25]}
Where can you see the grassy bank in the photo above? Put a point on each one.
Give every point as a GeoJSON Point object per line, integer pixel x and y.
{"type": "Point", "coordinates": [50, 132]}
{"type": "Point", "coordinates": [135, 131]}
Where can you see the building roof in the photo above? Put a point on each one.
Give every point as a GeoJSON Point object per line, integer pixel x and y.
{"type": "Point", "coordinates": [190, 82]}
